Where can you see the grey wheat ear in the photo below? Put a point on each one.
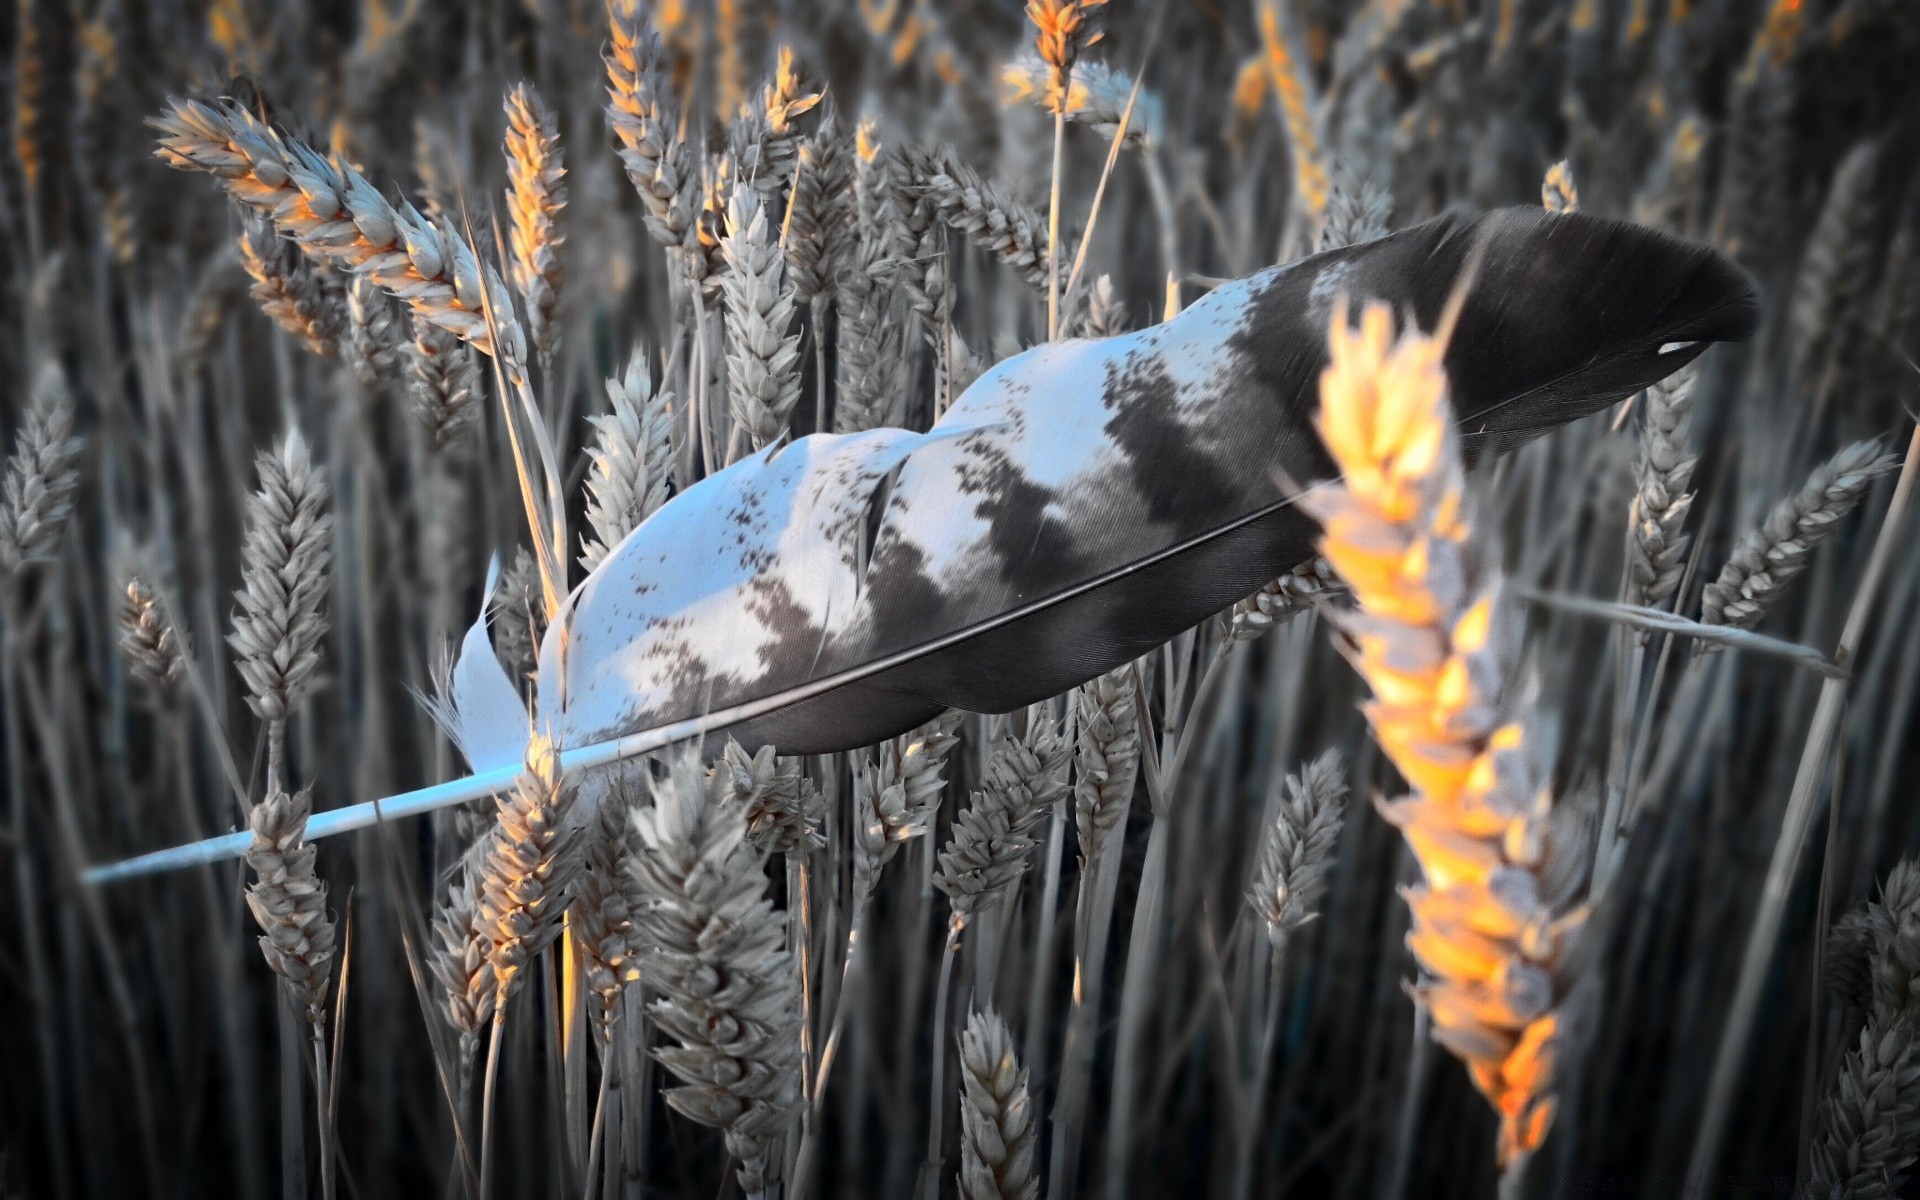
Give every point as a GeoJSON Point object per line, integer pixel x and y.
{"type": "Point", "coordinates": [375, 340]}
{"type": "Point", "coordinates": [536, 202]}
{"type": "Point", "coordinates": [783, 809]}
{"type": "Point", "coordinates": [1657, 549]}
{"type": "Point", "coordinates": [992, 838]}
{"type": "Point", "coordinates": [1359, 208]}
{"type": "Point", "coordinates": [153, 649]}
{"type": "Point", "coordinates": [632, 460]}
{"type": "Point", "coordinates": [290, 291]}
{"type": "Point", "coordinates": [445, 378]}
{"type": "Point", "coordinates": [736, 1047]}
{"type": "Point", "coordinates": [42, 475]}
{"type": "Point", "coordinates": [606, 896]}
{"type": "Point", "coordinates": [763, 355]}
{"type": "Point", "coordinates": [1867, 1131]}
{"type": "Point", "coordinates": [820, 221]}
{"type": "Point", "coordinates": [763, 140]}
{"type": "Point", "coordinates": [1291, 873]}
{"type": "Point", "coordinates": [1767, 558]}
{"type": "Point", "coordinates": [896, 795]}
{"type": "Point", "coordinates": [997, 1136]}
{"type": "Point", "coordinates": [277, 632]}
{"type": "Point", "coordinates": [1107, 758]}
{"type": "Point", "coordinates": [871, 392]}
{"type": "Point", "coordinates": [1106, 311]}
{"type": "Point", "coordinates": [986, 213]}
{"type": "Point", "coordinates": [290, 902]}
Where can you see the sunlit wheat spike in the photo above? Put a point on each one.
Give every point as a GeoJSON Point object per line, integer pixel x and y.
{"type": "Point", "coordinates": [1437, 641]}
{"type": "Point", "coordinates": [459, 960]}
{"type": "Point", "coordinates": [536, 204]}
{"type": "Point", "coordinates": [763, 354]}
{"type": "Point", "coordinates": [1766, 559]}
{"type": "Point", "coordinates": [643, 116]}
{"type": "Point", "coordinates": [1557, 193]}
{"type": "Point", "coordinates": [632, 459]}
{"type": "Point", "coordinates": [290, 291]}
{"type": "Point", "coordinates": [820, 222]}
{"type": "Point", "coordinates": [1063, 30]}
{"type": "Point", "coordinates": [531, 856]}
{"type": "Point", "coordinates": [713, 949]}
{"type": "Point", "coordinates": [1097, 97]}
{"type": "Point", "coordinates": [290, 902]}
{"type": "Point", "coordinates": [1359, 209]}
{"type": "Point", "coordinates": [764, 139]}
{"type": "Point", "coordinates": [1290, 874]}
{"type": "Point", "coordinates": [42, 476]}
{"type": "Point", "coordinates": [871, 392]}
{"type": "Point", "coordinates": [896, 794]}
{"type": "Point", "coordinates": [278, 629]}
{"type": "Point", "coordinates": [783, 808]}
{"type": "Point", "coordinates": [997, 1135]}
{"type": "Point", "coordinates": [1657, 549]}
{"type": "Point", "coordinates": [336, 216]}
{"type": "Point", "coordinates": [992, 838]}
{"type": "Point", "coordinates": [1292, 86]}
{"type": "Point", "coordinates": [444, 380]}
{"type": "Point", "coordinates": [990, 218]}
{"type": "Point", "coordinates": [1289, 595]}
{"type": "Point", "coordinates": [148, 640]}
{"type": "Point", "coordinates": [1106, 757]}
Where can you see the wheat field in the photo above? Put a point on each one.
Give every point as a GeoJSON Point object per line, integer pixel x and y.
{"type": "Point", "coordinates": [1549, 829]}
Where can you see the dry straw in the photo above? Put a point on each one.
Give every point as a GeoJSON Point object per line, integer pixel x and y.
{"type": "Point", "coordinates": [1437, 641]}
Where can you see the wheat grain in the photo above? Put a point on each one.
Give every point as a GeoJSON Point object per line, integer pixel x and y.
{"type": "Point", "coordinates": [1293, 593]}
{"type": "Point", "coordinates": [536, 203]}
{"type": "Point", "coordinates": [632, 460]}
{"type": "Point", "coordinates": [997, 1135]}
{"type": "Point", "coordinates": [1290, 875]}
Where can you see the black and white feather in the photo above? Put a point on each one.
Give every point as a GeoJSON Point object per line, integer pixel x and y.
{"type": "Point", "coordinates": [1087, 500]}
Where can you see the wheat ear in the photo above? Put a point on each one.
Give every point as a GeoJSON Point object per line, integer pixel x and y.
{"type": "Point", "coordinates": [872, 381]}
{"type": "Point", "coordinates": [988, 216]}
{"type": "Point", "coordinates": [1106, 758]}
{"type": "Point", "coordinates": [1359, 209]}
{"type": "Point", "coordinates": [1557, 193]}
{"type": "Point", "coordinates": [375, 339]}
{"type": "Point", "coordinates": [443, 385]}
{"type": "Point", "coordinates": [641, 113]}
{"type": "Point", "coordinates": [820, 214]}
{"type": "Point", "coordinates": [997, 1134]}
{"type": "Point", "coordinates": [1657, 547]}
{"type": "Point", "coordinates": [783, 809]}
{"type": "Point", "coordinates": [1096, 97]}
{"type": "Point", "coordinates": [153, 649]}
{"type": "Point", "coordinates": [1290, 875]}
{"type": "Point", "coordinates": [42, 476]}
{"type": "Point", "coordinates": [289, 290]}
{"type": "Point", "coordinates": [1766, 559]}
{"type": "Point", "coordinates": [713, 948]}
{"type": "Point", "coordinates": [339, 218]}
{"type": "Point", "coordinates": [1291, 594]}
{"type": "Point", "coordinates": [992, 840]}
{"type": "Point", "coordinates": [763, 354]}
{"type": "Point", "coordinates": [1436, 638]}
{"type": "Point", "coordinates": [536, 203]}
{"type": "Point", "coordinates": [632, 460]}
{"type": "Point", "coordinates": [283, 575]}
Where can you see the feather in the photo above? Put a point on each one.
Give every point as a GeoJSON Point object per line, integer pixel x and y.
{"type": "Point", "coordinates": [1080, 504]}
{"type": "Point", "coordinates": [477, 706]}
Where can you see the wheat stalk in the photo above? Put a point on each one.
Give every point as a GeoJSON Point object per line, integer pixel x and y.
{"type": "Point", "coordinates": [1436, 638]}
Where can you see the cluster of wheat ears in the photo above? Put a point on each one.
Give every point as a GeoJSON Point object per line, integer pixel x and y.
{"type": "Point", "coordinates": [1641, 797]}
